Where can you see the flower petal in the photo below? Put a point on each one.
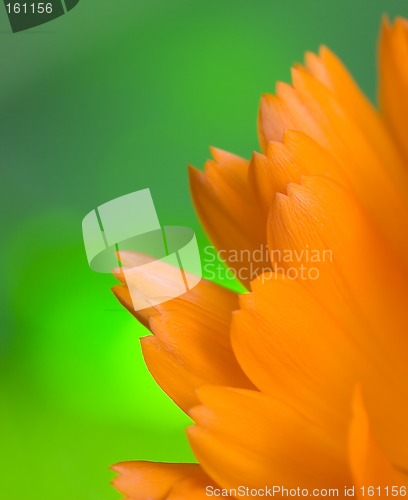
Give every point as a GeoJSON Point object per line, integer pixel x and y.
{"type": "Point", "coordinates": [269, 444]}
{"type": "Point", "coordinates": [310, 107]}
{"type": "Point", "coordinates": [287, 162]}
{"type": "Point", "coordinates": [161, 481]}
{"type": "Point", "coordinates": [369, 466]}
{"type": "Point", "coordinates": [319, 224]}
{"type": "Point", "coordinates": [228, 208]}
{"type": "Point", "coordinates": [331, 72]}
{"type": "Point", "coordinates": [394, 80]}
{"type": "Point", "coordinates": [292, 349]}
{"type": "Point", "coordinates": [191, 344]}
{"type": "Point", "coordinates": [320, 215]}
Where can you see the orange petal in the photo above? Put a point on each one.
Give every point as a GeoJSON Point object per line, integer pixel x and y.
{"type": "Point", "coordinates": [394, 80]}
{"type": "Point", "coordinates": [287, 162]}
{"type": "Point", "coordinates": [229, 209]}
{"type": "Point", "coordinates": [320, 215]}
{"type": "Point", "coordinates": [292, 349]}
{"type": "Point", "coordinates": [369, 465]}
{"type": "Point", "coordinates": [331, 72]}
{"type": "Point", "coordinates": [123, 295]}
{"type": "Point", "coordinates": [273, 120]}
{"type": "Point", "coordinates": [247, 438]}
{"type": "Point", "coordinates": [311, 107]}
{"type": "Point", "coordinates": [191, 344]}
{"type": "Point", "coordinates": [316, 225]}
{"type": "Point", "coordinates": [377, 185]}
{"type": "Point", "coordinates": [319, 225]}
{"type": "Point", "coordinates": [161, 481]}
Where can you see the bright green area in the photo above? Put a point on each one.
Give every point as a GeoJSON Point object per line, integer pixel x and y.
{"type": "Point", "coordinates": [108, 99]}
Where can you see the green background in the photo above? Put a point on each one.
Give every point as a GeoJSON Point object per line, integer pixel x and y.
{"type": "Point", "coordinates": [110, 98]}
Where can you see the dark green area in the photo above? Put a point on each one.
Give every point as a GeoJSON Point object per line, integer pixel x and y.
{"type": "Point", "coordinates": [70, 4]}
{"type": "Point", "coordinates": [24, 15]}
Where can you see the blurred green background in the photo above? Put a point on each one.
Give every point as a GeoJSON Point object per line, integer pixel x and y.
{"type": "Point", "coordinates": [113, 97]}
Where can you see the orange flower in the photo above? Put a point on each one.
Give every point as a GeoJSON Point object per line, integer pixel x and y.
{"type": "Point", "coordinates": [301, 383]}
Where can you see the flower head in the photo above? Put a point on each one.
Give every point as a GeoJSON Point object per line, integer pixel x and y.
{"type": "Point", "coordinates": [302, 381]}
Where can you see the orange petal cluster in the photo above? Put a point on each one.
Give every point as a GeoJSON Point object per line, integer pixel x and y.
{"type": "Point", "coordinates": [299, 382]}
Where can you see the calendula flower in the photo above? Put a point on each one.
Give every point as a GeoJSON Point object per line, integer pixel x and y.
{"type": "Point", "coordinates": [302, 381]}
